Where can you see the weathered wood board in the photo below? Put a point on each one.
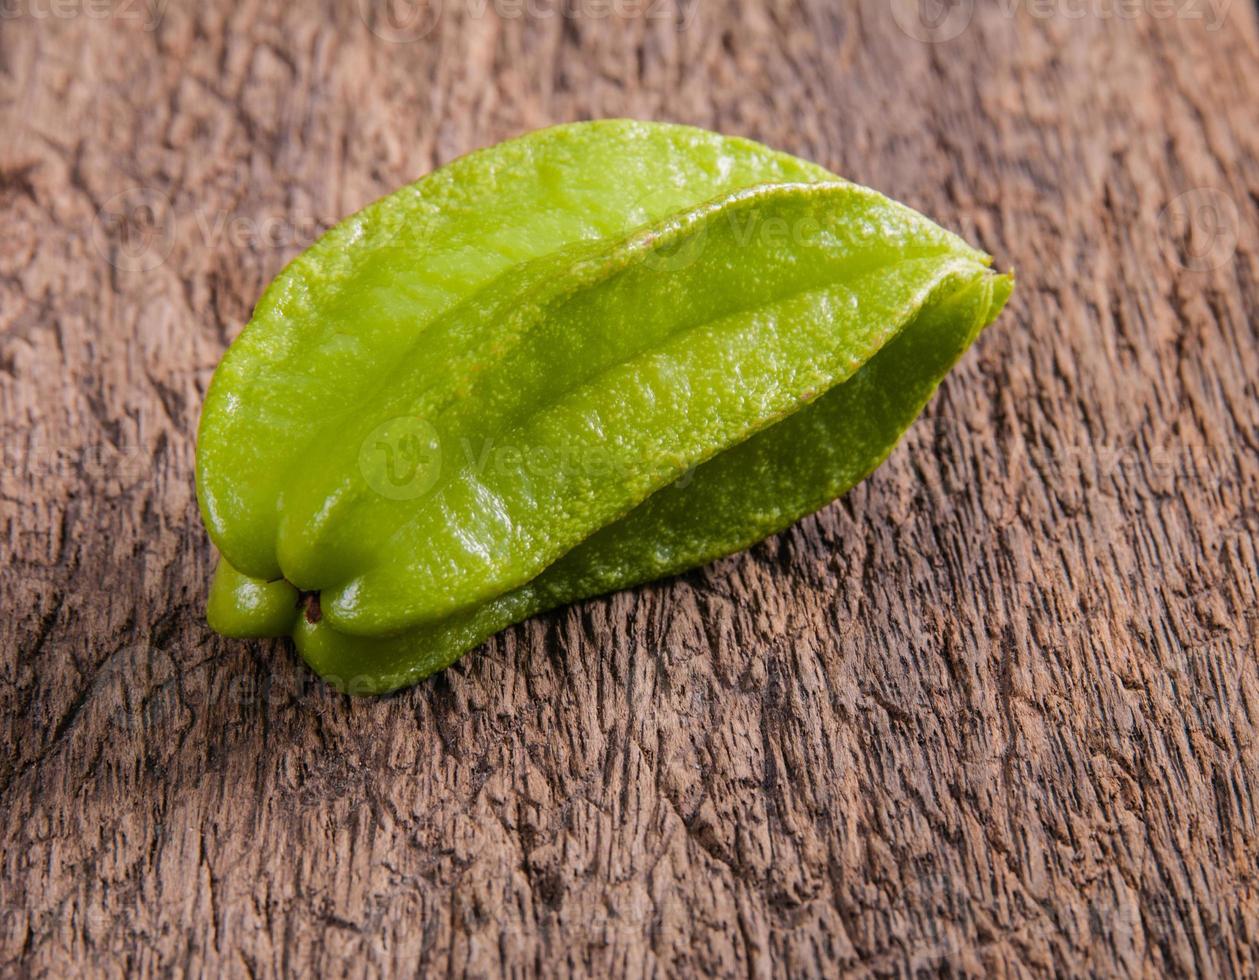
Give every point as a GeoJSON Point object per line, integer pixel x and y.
{"type": "Point", "coordinates": [994, 712]}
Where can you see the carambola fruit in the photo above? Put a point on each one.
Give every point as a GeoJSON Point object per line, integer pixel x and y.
{"type": "Point", "coordinates": [574, 362]}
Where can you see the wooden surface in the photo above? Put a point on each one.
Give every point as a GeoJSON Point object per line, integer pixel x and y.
{"type": "Point", "coordinates": [995, 712]}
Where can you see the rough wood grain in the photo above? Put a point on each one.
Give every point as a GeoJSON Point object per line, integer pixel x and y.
{"type": "Point", "coordinates": [995, 712]}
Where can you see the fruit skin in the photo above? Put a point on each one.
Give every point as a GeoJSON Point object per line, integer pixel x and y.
{"type": "Point", "coordinates": [245, 607]}
{"type": "Point", "coordinates": [771, 371]}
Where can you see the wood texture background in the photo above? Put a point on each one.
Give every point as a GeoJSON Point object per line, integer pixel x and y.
{"type": "Point", "coordinates": [994, 712]}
